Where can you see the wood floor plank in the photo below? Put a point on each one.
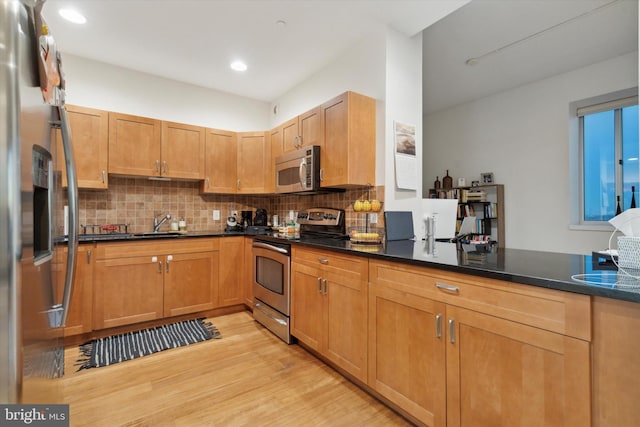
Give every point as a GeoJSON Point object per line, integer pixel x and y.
{"type": "Point", "coordinates": [249, 377]}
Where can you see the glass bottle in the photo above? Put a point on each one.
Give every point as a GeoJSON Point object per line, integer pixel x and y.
{"type": "Point", "coordinates": [436, 184]}
{"type": "Point", "coordinates": [633, 197]}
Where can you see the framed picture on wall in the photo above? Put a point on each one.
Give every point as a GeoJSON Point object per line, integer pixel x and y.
{"type": "Point", "coordinates": [486, 178]}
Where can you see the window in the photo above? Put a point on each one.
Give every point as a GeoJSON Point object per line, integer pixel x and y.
{"type": "Point", "coordinates": [609, 155]}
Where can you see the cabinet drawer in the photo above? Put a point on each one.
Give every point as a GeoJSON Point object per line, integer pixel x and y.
{"type": "Point", "coordinates": [332, 263]}
{"type": "Point", "coordinates": [562, 312]}
{"type": "Point", "coordinates": [111, 250]}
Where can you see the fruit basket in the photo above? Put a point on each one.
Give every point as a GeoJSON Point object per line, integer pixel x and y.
{"type": "Point", "coordinates": [364, 236]}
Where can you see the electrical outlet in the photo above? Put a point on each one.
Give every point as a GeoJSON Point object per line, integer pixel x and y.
{"type": "Point", "coordinates": [216, 215]}
{"type": "Point", "coordinates": [373, 218]}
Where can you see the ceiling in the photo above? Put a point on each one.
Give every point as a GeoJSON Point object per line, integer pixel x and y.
{"type": "Point", "coordinates": [541, 38]}
{"type": "Point", "coordinates": [194, 41]}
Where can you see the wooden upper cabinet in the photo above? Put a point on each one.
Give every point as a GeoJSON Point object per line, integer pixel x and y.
{"type": "Point", "coordinates": [134, 145]}
{"type": "Point", "coordinates": [220, 165]}
{"type": "Point", "coordinates": [148, 147]}
{"type": "Point", "coordinates": [90, 139]}
{"type": "Point", "coordinates": [348, 154]}
{"type": "Point", "coordinates": [182, 151]}
{"type": "Point", "coordinates": [302, 131]}
{"type": "Point", "coordinates": [254, 162]}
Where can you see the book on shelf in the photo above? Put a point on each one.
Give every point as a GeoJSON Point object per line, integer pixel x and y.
{"type": "Point", "coordinates": [476, 196]}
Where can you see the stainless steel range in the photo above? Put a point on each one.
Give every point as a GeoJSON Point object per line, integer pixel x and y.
{"type": "Point", "coordinates": [272, 268]}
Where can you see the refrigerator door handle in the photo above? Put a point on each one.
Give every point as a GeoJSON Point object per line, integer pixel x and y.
{"type": "Point", "coordinates": [72, 188]}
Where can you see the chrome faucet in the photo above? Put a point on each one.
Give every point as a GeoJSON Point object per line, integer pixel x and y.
{"type": "Point", "coordinates": [157, 224]}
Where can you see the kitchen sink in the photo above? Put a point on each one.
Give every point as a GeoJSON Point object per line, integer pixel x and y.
{"type": "Point", "coordinates": [159, 234]}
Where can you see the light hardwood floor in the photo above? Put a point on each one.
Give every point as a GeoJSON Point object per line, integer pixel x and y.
{"type": "Point", "coordinates": [248, 377]}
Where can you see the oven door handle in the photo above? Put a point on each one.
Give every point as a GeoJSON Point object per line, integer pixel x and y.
{"type": "Point", "coordinates": [270, 247]}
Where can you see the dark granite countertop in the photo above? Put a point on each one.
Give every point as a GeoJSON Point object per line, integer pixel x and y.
{"type": "Point", "coordinates": [560, 271]}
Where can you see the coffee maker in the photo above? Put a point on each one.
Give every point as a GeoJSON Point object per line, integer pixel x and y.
{"type": "Point", "coordinates": [245, 219]}
{"type": "Point", "coordinates": [261, 217]}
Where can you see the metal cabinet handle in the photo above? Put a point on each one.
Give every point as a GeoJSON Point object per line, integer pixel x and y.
{"type": "Point", "coordinates": [321, 174]}
{"type": "Point", "coordinates": [89, 257]}
{"type": "Point", "coordinates": [452, 330]}
{"type": "Point", "coordinates": [104, 177]}
{"type": "Point", "coordinates": [157, 165]}
{"type": "Point", "coordinates": [324, 286]}
{"type": "Point", "coordinates": [319, 285]}
{"type": "Point", "coordinates": [159, 266]}
{"type": "Point", "coordinates": [323, 260]}
{"type": "Point", "coordinates": [169, 259]}
{"type": "Point", "coordinates": [446, 287]}
{"type": "Point", "coordinates": [238, 184]}
{"type": "Point", "coordinates": [208, 184]}
{"type": "Point", "coordinates": [164, 166]}
{"type": "Point", "coordinates": [438, 325]}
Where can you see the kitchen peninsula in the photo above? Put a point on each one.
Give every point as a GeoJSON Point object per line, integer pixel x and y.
{"type": "Point", "coordinates": [508, 327]}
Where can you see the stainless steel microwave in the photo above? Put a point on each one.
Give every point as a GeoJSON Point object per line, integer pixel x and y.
{"type": "Point", "coordinates": [298, 171]}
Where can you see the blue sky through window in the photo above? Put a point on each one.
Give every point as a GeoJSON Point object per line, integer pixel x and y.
{"type": "Point", "coordinates": [599, 148]}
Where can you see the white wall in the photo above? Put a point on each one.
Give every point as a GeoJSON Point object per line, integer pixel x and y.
{"type": "Point", "coordinates": [360, 68]}
{"type": "Point", "coordinates": [107, 87]}
{"type": "Point", "coordinates": [522, 136]}
{"type": "Point", "coordinates": [404, 105]}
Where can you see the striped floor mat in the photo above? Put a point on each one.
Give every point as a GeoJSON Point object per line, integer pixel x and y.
{"type": "Point", "coordinates": [118, 348]}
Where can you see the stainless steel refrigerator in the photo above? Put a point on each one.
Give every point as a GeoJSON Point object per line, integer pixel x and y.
{"type": "Point", "coordinates": [33, 305]}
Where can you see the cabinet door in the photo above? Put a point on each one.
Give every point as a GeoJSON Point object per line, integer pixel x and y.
{"type": "Point", "coordinates": [248, 273]}
{"type": "Point", "coordinates": [290, 134]}
{"type": "Point", "coordinates": [221, 170]}
{"type": "Point", "coordinates": [346, 304]}
{"type": "Point", "coordinates": [253, 155]}
{"type": "Point", "coordinates": [231, 289]}
{"type": "Point", "coordinates": [190, 283]}
{"type": "Point", "coordinates": [310, 129]}
{"type": "Point", "coordinates": [616, 366]}
{"type": "Point", "coordinates": [134, 145]}
{"type": "Point", "coordinates": [503, 373]}
{"type": "Point", "coordinates": [348, 154]}
{"type": "Point", "coordinates": [127, 290]}
{"type": "Point", "coordinates": [90, 138]}
{"type": "Point", "coordinates": [182, 151]}
{"type": "Point", "coordinates": [407, 352]}
{"type": "Point", "coordinates": [307, 305]}
{"type": "Point", "coordinates": [79, 318]}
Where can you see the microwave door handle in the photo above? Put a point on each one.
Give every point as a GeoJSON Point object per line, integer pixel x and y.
{"type": "Point", "coordinates": [303, 174]}
{"type": "Point", "coordinates": [72, 188]}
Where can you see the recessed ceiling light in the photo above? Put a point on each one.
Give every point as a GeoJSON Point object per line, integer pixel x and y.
{"type": "Point", "coordinates": [281, 23]}
{"type": "Point", "coordinates": [238, 66]}
{"type": "Point", "coordinates": [72, 16]}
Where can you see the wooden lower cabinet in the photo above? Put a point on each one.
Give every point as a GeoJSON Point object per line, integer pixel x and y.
{"type": "Point", "coordinates": [455, 350]}
{"type": "Point", "coordinates": [231, 271]}
{"type": "Point", "coordinates": [128, 290]}
{"type": "Point", "coordinates": [247, 281]}
{"type": "Point", "coordinates": [79, 318]}
{"type": "Point", "coordinates": [407, 352]}
{"type": "Point", "coordinates": [504, 373]}
{"type": "Point", "coordinates": [190, 283]}
{"type": "Point", "coordinates": [616, 363]}
{"type": "Point", "coordinates": [141, 281]}
{"type": "Point", "coordinates": [329, 307]}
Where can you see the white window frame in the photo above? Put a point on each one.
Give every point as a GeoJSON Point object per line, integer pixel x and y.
{"type": "Point", "coordinates": [578, 110]}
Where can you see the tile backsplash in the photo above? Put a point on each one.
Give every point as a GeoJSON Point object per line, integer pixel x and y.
{"type": "Point", "coordinates": [135, 201]}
